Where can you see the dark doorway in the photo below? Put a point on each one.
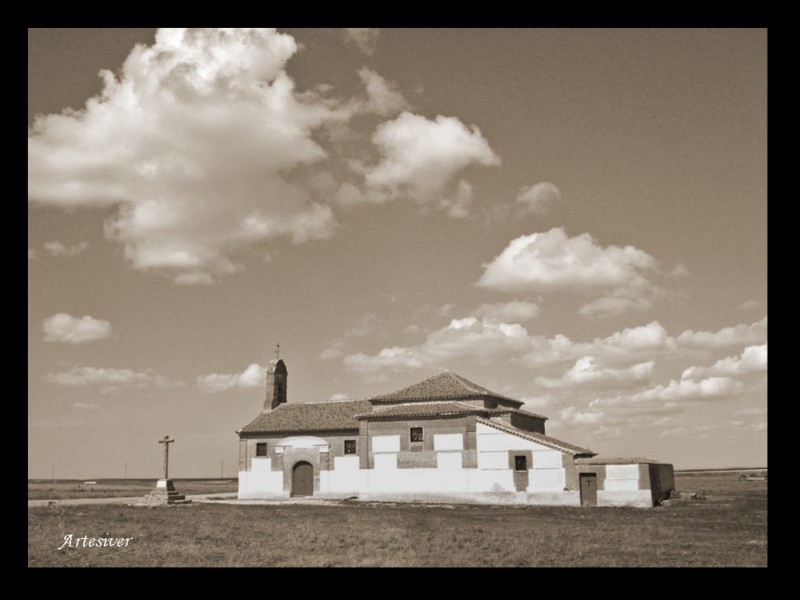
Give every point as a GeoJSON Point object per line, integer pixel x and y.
{"type": "Point", "coordinates": [303, 479]}
{"type": "Point", "coordinates": [588, 489]}
{"type": "Point", "coordinates": [521, 473]}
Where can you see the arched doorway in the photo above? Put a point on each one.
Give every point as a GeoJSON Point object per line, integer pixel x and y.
{"type": "Point", "coordinates": [303, 479]}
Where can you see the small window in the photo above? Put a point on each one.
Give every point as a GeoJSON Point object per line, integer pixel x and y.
{"type": "Point", "coordinates": [520, 463]}
{"type": "Point", "coordinates": [349, 446]}
{"type": "Point", "coordinates": [416, 434]}
{"type": "Point", "coordinates": [261, 449]}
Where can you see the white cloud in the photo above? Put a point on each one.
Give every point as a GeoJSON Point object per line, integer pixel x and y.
{"type": "Point", "coordinates": [62, 327]}
{"type": "Point", "coordinates": [458, 205]}
{"type": "Point", "coordinates": [383, 97]}
{"type": "Point", "coordinates": [585, 373]}
{"type": "Point", "coordinates": [112, 380]}
{"type": "Point", "coordinates": [673, 432]}
{"type": "Point", "coordinates": [254, 376]}
{"type": "Point", "coordinates": [646, 337]}
{"type": "Point", "coordinates": [363, 38]}
{"type": "Point", "coordinates": [367, 325]}
{"type": "Point", "coordinates": [751, 412]}
{"type": "Point", "coordinates": [388, 358]}
{"type": "Point", "coordinates": [552, 261]}
{"type": "Point", "coordinates": [350, 195]}
{"type": "Point", "coordinates": [191, 144]}
{"type": "Point", "coordinates": [674, 391]}
{"type": "Point", "coordinates": [662, 421]}
{"type": "Point", "coordinates": [712, 387]}
{"type": "Point", "coordinates": [508, 312]}
{"type": "Point", "coordinates": [488, 338]}
{"type": "Point", "coordinates": [475, 338]}
{"type": "Point", "coordinates": [426, 153]}
{"type": "Point", "coordinates": [59, 249]}
{"type": "Point", "coordinates": [468, 338]}
{"type": "Point", "coordinates": [534, 403]}
{"type": "Point", "coordinates": [755, 427]}
{"type": "Point", "coordinates": [420, 159]}
{"type": "Point", "coordinates": [573, 416]}
{"type": "Point", "coordinates": [752, 359]}
{"type": "Point", "coordinates": [339, 397]}
{"type": "Point", "coordinates": [364, 326]}
{"type": "Point", "coordinates": [537, 199]}
{"type": "Point", "coordinates": [333, 351]}
{"type": "Point", "coordinates": [629, 345]}
{"type": "Point", "coordinates": [750, 305]}
{"type": "Point", "coordinates": [747, 426]}
{"type": "Point", "coordinates": [616, 303]}
{"type": "Point", "coordinates": [679, 270]}
{"type": "Point", "coordinates": [446, 310]}
{"type": "Point", "coordinates": [728, 336]}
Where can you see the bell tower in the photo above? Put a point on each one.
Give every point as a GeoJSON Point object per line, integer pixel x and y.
{"type": "Point", "coordinates": [276, 382]}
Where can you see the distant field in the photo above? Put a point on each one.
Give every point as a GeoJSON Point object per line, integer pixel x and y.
{"type": "Point", "coordinates": [728, 528]}
{"type": "Point", "coordinates": [120, 488]}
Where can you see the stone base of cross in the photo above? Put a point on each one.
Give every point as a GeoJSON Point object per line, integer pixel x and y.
{"type": "Point", "coordinates": [165, 492]}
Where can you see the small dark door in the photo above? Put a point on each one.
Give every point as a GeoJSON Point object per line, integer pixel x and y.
{"type": "Point", "coordinates": [588, 489]}
{"type": "Point", "coordinates": [303, 479]}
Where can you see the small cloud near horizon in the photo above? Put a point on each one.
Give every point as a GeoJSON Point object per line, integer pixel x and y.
{"type": "Point", "coordinates": [62, 327]}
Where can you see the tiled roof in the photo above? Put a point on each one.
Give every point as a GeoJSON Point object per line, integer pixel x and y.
{"type": "Point", "coordinates": [599, 460]}
{"type": "Point", "coordinates": [540, 438]}
{"type": "Point", "coordinates": [524, 411]}
{"type": "Point", "coordinates": [442, 386]}
{"type": "Point", "coordinates": [310, 416]}
{"type": "Point", "coordinates": [429, 409]}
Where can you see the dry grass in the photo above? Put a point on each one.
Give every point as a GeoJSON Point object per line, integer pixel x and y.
{"type": "Point", "coordinates": [729, 528]}
{"type": "Point", "coordinates": [121, 488]}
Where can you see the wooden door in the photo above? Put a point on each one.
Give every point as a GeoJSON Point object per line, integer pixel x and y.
{"type": "Point", "coordinates": [588, 489]}
{"type": "Point", "coordinates": [303, 479]}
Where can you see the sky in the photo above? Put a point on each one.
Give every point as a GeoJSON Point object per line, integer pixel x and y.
{"type": "Point", "coordinates": [574, 218]}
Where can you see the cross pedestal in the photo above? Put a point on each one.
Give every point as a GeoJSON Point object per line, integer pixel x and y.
{"type": "Point", "coordinates": [165, 492]}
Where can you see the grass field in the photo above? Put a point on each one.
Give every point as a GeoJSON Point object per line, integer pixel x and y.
{"type": "Point", "coordinates": [120, 488]}
{"type": "Point", "coordinates": [728, 528]}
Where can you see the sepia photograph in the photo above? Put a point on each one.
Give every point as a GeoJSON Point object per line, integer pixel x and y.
{"type": "Point", "coordinates": [397, 297]}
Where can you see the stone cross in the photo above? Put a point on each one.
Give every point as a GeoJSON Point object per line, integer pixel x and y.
{"type": "Point", "coordinates": [166, 441]}
{"type": "Point", "coordinates": [277, 350]}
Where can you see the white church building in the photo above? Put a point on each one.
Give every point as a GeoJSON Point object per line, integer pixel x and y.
{"type": "Point", "coordinates": [443, 439]}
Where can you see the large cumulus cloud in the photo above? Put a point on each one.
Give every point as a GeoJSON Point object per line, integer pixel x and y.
{"type": "Point", "coordinates": [191, 142]}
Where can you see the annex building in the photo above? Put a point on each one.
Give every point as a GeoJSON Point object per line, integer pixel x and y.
{"type": "Point", "coordinates": [444, 439]}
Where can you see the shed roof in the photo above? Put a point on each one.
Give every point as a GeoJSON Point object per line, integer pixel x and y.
{"type": "Point", "coordinates": [442, 386]}
{"type": "Point", "coordinates": [540, 438]}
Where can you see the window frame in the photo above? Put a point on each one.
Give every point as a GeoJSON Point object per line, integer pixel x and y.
{"type": "Point", "coordinates": [517, 458]}
{"type": "Point", "coordinates": [350, 447]}
{"type": "Point", "coordinates": [261, 446]}
{"type": "Point", "coordinates": [411, 432]}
